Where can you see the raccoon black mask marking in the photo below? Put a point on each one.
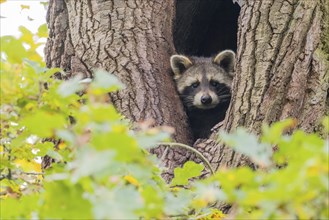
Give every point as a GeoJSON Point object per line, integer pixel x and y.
{"type": "Point", "coordinates": [204, 85]}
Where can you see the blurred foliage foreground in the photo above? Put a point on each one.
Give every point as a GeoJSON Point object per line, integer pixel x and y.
{"type": "Point", "coordinates": [103, 168]}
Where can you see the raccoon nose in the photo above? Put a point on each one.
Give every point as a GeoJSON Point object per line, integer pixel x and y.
{"type": "Point", "coordinates": [206, 99]}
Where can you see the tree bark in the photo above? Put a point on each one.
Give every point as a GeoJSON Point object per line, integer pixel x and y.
{"type": "Point", "coordinates": [133, 40]}
{"type": "Point", "coordinates": [282, 71]}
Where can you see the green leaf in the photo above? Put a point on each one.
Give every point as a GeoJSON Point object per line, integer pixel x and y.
{"type": "Point", "coordinates": [13, 49]}
{"type": "Point", "coordinates": [178, 203]}
{"type": "Point", "coordinates": [43, 31]}
{"type": "Point", "coordinates": [44, 124]}
{"type": "Point", "coordinates": [122, 144]}
{"type": "Point", "coordinates": [22, 208]}
{"type": "Point", "coordinates": [54, 154]}
{"type": "Point", "coordinates": [99, 114]}
{"type": "Point", "coordinates": [248, 144]}
{"type": "Point", "coordinates": [105, 82]}
{"type": "Point", "coordinates": [70, 87]}
{"type": "Point", "coordinates": [52, 71]}
{"type": "Point", "coordinates": [152, 140]}
{"type": "Point", "coordinates": [36, 66]}
{"type": "Point", "coordinates": [117, 203]}
{"type": "Point", "coordinates": [27, 35]}
{"type": "Point", "coordinates": [67, 136]}
{"type": "Point", "coordinates": [90, 162]}
{"type": "Point", "coordinates": [189, 170]}
{"type": "Point", "coordinates": [64, 200]}
{"type": "Point", "coordinates": [44, 148]}
{"type": "Point", "coordinates": [272, 134]}
{"type": "Point", "coordinates": [153, 202]}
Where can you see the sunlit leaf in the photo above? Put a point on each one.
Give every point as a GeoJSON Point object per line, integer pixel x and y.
{"type": "Point", "coordinates": [43, 31]}
{"type": "Point", "coordinates": [70, 87]}
{"type": "Point", "coordinates": [146, 140]}
{"type": "Point", "coordinates": [28, 166]}
{"type": "Point", "coordinates": [154, 202]}
{"type": "Point", "coordinates": [122, 144]}
{"type": "Point", "coordinates": [189, 170]}
{"type": "Point", "coordinates": [25, 7]}
{"type": "Point", "coordinates": [36, 66]}
{"type": "Point", "coordinates": [90, 162]}
{"type": "Point", "coordinates": [65, 201]}
{"type": "Point", "coordinates": [99, 114]}
{"type": "Point", "coordinates": [22, 208]}
{"type": "Point", "coordinates": [118, 203]}
{"type": "Point", "coordinates": [43, 123]}
{"type": "Point", "coordinates": [214, 214]}
{"type": "Point", "coordinates": [26, 36]}
{"type": "Point", "coordinates": [130, 179]}
{"type": "Point", "coordinates": [13, 48]}
{"type": "Point", "coordinates": [66, 135]}
{"type": "Point", "coordinates": [105, 82]}
{"type": "Point", "coordinates": [178, 203]}
{"type": "Point", "coordinates": [272, 134]}
{"type": "Point", "coordinates": [54, 154]}
{"type": "Point", "coordinates": [249, 145]}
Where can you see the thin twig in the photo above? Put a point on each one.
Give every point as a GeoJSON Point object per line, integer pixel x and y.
{"type": "Point", "coordinates": [174, 144]}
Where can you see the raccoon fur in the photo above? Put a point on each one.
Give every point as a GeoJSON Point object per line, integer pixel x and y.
{"type": "Point", "coordinates": [204, 86]}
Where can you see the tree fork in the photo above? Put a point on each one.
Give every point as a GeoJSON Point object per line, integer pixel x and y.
{"type": "Point", "coordinates": [282, 64]}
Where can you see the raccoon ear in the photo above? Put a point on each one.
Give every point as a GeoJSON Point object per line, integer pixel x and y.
{"type": "Point", "coordinates": [226, 60]}
{"type": "Point", "coordinates": [179, 64]}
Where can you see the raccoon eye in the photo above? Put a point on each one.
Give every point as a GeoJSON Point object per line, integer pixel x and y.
{"type": "Point", "coordinates": [195, 85]}
{"type": "Point", "coordinates": [214, 83]}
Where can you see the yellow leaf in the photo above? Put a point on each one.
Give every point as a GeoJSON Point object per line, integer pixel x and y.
{"type": "Point", "coordinates": [25, 7]}
{"type": "Point", "coordinates": [2, 1]}
{"type": "Point", "coordinates": [215, 214]}
{"type": "Point", "coordinates": [175, 189]}
{"type": "Point", "coordinates": [119, 129]}
{"type": "Point", "coordinates": [29, 106]}
{"type": "Point", "coordinates": [231, 177]}
{"type": "Point", "coordinates": [28, 166]}
{"type": "Point", "coordinates": [199, 203]}
{"type": "Point", "coordinates": [62, 145]}
{"type": "Point", "coordinates": [131, 180]}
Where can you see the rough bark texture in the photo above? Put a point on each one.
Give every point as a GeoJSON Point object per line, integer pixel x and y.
{"type": "Point", "coordinates": [131, 39]}
{"type": "Point", "coordinates": [282, 70]}
{"type": "Point", "coordinates": [279, 73]}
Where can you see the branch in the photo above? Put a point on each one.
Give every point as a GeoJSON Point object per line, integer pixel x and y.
{"type": "Point", "coordinates": [191, 149]}
{"type": "Point", "coordinates": [32, 173]}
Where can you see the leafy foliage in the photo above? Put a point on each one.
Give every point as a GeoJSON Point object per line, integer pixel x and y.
{"type": "Point", "coordinates": [105, 171]}
{"type": "Point", "coordinates": [297, 190]}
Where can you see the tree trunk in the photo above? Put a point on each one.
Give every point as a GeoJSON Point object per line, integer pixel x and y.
{"type": "Point", "coordinates": [133, 40]}
{"type": "Point", "coordinates": [282, 70]}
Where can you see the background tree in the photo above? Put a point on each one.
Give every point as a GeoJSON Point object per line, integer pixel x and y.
{"type": "Point", "coordinates": [281, 71]}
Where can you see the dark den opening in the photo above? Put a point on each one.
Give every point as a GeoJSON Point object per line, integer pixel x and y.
{"type": "Point", "coordinates": [205, 27]}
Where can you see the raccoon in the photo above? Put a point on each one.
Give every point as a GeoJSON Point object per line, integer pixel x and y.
{"type": "Point", "coordinates": [204, 86]}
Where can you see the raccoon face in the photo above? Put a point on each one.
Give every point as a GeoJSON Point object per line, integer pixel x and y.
{"type": "Point", "coordinates": [204, 83]}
